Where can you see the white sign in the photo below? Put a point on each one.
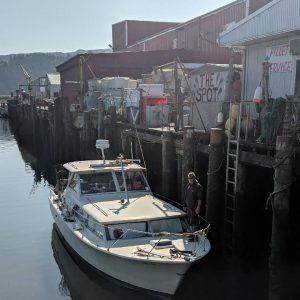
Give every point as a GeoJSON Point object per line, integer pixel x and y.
{"type": "Point", "coordinates": [280, 59]}
{"type": "Point", "coordinates": [132, 97]}
{"type": "Point", "coordinates": [208, 87]}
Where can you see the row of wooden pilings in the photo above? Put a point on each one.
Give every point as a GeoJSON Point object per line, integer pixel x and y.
{"type": "Point", "coordinates": [185, 163]}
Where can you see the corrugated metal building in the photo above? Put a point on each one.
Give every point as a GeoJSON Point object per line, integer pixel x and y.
{"type": "Point", "coordinates": [128, 32]}
{"type": "Point", "coordinates": [254, 5]}
{"type": "Point", "coordinates": [200, 33]}
{"type": "Point", "coordinates": [273, 32]}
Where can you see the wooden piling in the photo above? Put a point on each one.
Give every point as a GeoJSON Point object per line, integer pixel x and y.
{"type": "Point", "coordinates": [179, 177]}
{"type": "Point", "coordinates": [188, 156]}
{"type": "Point", "coordinates": [85, 136]}
{"type": "Point", "coordinates": [101, 111]}
{"type": "Point", "coordinates": [215, 186]}
{"type": "Point", "coordinates": [126, 143]}
{"type": "Point", "coordinates": [112, 134]}
{"type": "Point", "coordinates": [240, 214]}
{"type": "Point", "coordinates": [168, 172]}
{"type": "Point", "coordinates": [280, 200]}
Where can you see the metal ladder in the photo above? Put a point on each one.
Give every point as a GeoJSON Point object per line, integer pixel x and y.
{"type": "Point", "coordinates": [233, 148]}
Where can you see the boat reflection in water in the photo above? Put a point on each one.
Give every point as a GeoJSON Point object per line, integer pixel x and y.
{"type": "Point", "coordinates": [80, 281]}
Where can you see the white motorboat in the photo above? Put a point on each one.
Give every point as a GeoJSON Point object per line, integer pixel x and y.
{"type": "Point", "coordinates": [107, 213]}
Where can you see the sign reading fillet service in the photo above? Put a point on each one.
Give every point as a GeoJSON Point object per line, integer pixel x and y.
{"type": "Point", "coordinates": [208, 87]}
{"type": "Point", "coordinates": [280, 59]}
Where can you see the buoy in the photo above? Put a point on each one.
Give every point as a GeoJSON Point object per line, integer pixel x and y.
{"type": "Point", "coordinates": [220, 118]}
{"type": "Point", "coordinates": [247, 124]}
{"type": "Point", "coordinates": [235, 111]}
{"type": "Point", "coordinates": [258, 95]}
{"type": "Point", "coordinates": [230, 123]}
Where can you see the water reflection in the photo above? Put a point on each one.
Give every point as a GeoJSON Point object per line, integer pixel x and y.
{"type": "Point", "coordinates": [35, 156]}
{"type": "Point", "coordinates": [6, 138]}
{"type": "Point", "coordinates": [80, 281]}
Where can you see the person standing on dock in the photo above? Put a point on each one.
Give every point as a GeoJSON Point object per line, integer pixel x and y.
{"type": "Point", "coordinates": [193, 195]}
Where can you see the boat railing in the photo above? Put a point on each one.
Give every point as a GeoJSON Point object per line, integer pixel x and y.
{"type": "Point", "coordinates": [191, 235]}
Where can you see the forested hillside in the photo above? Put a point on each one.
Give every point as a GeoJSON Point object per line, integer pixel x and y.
{"type": "Point", "coordinates": [36, 64]}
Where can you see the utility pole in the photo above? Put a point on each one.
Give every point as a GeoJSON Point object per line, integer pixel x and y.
{"type": "Point", "coordinates": [81, 61]}
{"type": "Point", "coordinates": [176, 96]}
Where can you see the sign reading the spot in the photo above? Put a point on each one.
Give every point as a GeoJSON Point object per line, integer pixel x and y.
{"type": "Point", "coordinates": [280, 58]}
{"type": "Point", "coordinates": [208, 87]}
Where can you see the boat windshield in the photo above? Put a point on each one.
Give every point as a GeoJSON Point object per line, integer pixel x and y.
{"type": "Point", "coordinates": [135, 181]}
{"type": "Point", "coordinates": [97, 183]}
{"type": "Point", "coordinates": [126, 230]}
{"type": "Point", "coordinates": [174, 225]}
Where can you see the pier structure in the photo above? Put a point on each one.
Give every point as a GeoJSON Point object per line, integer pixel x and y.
{"type": "Point", "coordinates": [170, 155]}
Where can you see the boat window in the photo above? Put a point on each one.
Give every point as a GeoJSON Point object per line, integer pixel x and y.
{"type": "Point", "coordinates": [168, 225]}
{"type": "Point", "coordinates": [94, 226]}
{"type": "Point", "coordinates": [128, 230]}
{"type": "Point", "coordinates": [97, 183]}
{"type": "Point", "coordinates": [135, 180]}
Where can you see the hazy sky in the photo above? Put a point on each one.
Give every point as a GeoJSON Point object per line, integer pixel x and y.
{"type": "Point", "coordinates": [69, 25]}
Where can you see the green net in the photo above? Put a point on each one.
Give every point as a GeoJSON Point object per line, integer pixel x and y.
{"type": "Point", "coordinates": [272, 121]}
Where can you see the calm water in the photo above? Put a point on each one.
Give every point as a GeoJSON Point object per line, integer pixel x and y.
{"type": "Point", "coordinates": [34, 263]}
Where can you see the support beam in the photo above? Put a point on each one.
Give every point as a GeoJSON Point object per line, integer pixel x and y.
{"type": "Point", "coordinates": [188, 157]}
{"type": "Point", "coordinates": [280, 200]}
{"type": "Point", "coordinates": [168, 172]}
{"type": "Point", "coordinates": [126, 144]}
{"type": "Point", "coordinates": [215, 187]}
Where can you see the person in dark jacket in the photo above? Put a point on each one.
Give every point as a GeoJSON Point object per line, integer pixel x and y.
{"type": "Point", "coordinates": [193, 195]}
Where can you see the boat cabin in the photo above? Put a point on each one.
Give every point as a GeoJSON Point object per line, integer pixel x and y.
{"type": "Point", "coordinates": [114, 200]}
{"type": "Point", "coordinates": [90, 177]}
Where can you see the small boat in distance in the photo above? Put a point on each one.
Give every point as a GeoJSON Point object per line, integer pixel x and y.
{"type": "Point", "coordinates": [107, 214]}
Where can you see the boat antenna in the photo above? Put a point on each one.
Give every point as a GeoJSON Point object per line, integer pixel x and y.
{"type": "Point", "coordinates": [124, 179]}
{"type": "Point", "coordinates": [131, 150]}
{"type": "Point", "coordinates": [102, 145]}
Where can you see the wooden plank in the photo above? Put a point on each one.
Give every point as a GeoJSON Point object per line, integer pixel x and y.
{"type": "Point", "coordinates": [256, 159]}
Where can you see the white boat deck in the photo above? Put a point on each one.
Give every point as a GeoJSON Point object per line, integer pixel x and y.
{"type": "Point", "coordinates": [142, 208]}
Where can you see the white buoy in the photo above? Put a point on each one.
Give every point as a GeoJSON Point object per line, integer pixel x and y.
{"type": "Point", "coordinates": [258, 95]}
{"type": "Point", "coordinates": [220, 118]}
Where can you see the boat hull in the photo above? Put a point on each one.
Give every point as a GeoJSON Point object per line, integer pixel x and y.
{"type": "Point", "coordinates": [146, 274]}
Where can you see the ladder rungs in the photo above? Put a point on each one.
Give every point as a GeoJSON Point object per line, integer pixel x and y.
{"type": "Point", "coordinates": [233, 141]}
{"type": "Point", "coordinates": [231, 154]}
{"type": "Point", "coordinates": [230, 195]}
{"type": "Point", "coordinates": [232, 169]}
{"type": "Point", "coordinates": [230, 208]}
{"type": "Point", "coordinates": [231, 182]}
{"type": "Point", "coordinates": [230, 222]}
